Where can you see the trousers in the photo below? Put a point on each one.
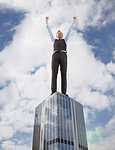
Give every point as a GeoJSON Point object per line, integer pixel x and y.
{"type": "Point", "coordinates": [59, 59]}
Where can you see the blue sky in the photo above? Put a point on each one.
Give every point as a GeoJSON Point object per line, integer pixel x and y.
{"type": "Point", "coordinates": [25, 72]}
{"type": "Point", "coordinates": [9, 19]}
{"type": "Point", "coordinates": [103, 41]}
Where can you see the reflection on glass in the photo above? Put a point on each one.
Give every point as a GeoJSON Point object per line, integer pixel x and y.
{"type": "Point", "coordinates": [61, 124]}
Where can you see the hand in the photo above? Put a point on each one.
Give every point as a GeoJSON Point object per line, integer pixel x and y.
{"type": "Point", "coordinates": [74, 19]}
{"type": "Point", "coordinates": [47, 18]}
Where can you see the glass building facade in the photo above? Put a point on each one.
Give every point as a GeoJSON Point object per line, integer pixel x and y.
{"type": "Point", "coordinates": [59, 124]}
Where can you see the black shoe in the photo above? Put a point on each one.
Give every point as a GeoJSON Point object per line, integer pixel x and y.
{"type": "Point", "coordinates": [52, 93]}
{"type": "Point", "coordinates": [65, 94]}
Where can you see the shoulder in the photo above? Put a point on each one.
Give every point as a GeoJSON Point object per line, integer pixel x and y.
{"type": "Point", "coordinates": [63, 40]}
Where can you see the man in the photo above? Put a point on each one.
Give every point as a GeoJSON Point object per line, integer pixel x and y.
{"type": "Point", "coordinates": [59, 57]}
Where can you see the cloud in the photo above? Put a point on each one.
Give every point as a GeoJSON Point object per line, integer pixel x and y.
{"type": "Point", "coordinates": [89, 112]}
{"type": "Point", "coordinates": [26, 5]}
{"type": "Point", "coordinates": [102, 137]}
{"type": "Point", "coordinates": [111, 67]}
{"type": "Point", "coordinates": [6, 135]}
{"type": "Point", "coordinates": [9, 94]}
{"type": "Point", "coordinates": [16, 117]}
{"type": "Point", "coordinates": [89, 13]}
{"type": "Point", "coordinates": [88, 78]}
{"type": "Point", "coordinates": [9, 145]}
{"type": "Point", "coordinates": [114, 54]}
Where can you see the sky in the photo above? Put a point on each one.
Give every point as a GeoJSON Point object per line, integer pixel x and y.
{"type": "Point", "coordinates": [25, 66]}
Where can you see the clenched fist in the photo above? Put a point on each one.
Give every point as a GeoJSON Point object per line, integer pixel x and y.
{"type": "Point", "coordinates": [47, 18]}
{"type": "Point", "coordinates": [74, 19]}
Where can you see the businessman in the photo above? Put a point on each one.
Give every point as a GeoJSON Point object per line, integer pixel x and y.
{"type": "Point", "coordinates": [59, 57]}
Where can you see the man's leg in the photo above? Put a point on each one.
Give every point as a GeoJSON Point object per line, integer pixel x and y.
{"type": "Point", "coordinates": [55, 65]}
{"type": "Point", "coordinates": [63, 67]}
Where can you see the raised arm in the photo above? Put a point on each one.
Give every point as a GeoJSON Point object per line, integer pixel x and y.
{"type": "Point", "coordinates": [49, 30]}
{"type": "Point", "coordinates": [69, 31]}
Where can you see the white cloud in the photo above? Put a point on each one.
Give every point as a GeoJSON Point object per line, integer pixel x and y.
{"type": "Point", "coordinates": [6, 135]}
{"type": "Point", "coordinates": [89, 112]}
{"type": "Point", "coordinates": [111, 67]}
{"type": "Point", "coordinates": [9, 94]}
{"type": "Point", "coordinates": [114, 54]}
{"type": "Point", "coordinates": [94, 13]}
{"type": "Point", "coordinates": [102, 138]}
{"type": "Point", "coordinates": [9, 145]}
{"type": "Point", "coordinates": [87, 74]}
{"type": "Point", "coordinates": [19, 116]}
{"type": "Point", "coordinates": [22, 4]}
{"type": "Point", "coordinates": [31, 47]}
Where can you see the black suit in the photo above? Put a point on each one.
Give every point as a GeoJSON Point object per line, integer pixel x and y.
{"type": "Point", "coordinates": [59, 58]}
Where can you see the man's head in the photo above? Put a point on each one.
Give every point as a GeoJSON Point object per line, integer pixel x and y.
{"type": "Point", "coordinates": [59, 34]}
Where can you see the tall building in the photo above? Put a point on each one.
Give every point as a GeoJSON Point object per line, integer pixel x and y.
{"type": "Point", "coordinates": [59, 124]}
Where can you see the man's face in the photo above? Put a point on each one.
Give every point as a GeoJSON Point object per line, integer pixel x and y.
{"type": "Point", "coordinates": [59, 34]}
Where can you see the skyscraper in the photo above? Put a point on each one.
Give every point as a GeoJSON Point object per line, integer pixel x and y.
{"type": "Point", "coordinates": [59, 124]}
